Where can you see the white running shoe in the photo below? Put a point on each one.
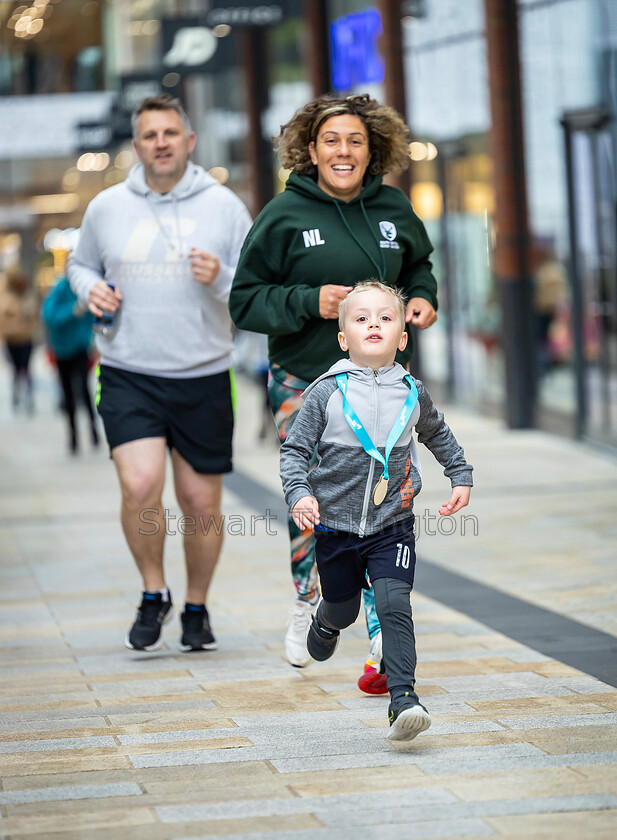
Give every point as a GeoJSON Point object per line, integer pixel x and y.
{"type": "Point", "coordinates": [298, 625]}
{"type": "Point", "coordinates": [375, 651]}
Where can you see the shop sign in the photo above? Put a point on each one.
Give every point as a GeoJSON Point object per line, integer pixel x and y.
{"type": "Point", "coordinates": [93, 135]}
{"type": "Point", "coordinates": [354, 55]}
{"type": "Point", "coordinates": [191, 47]}
{"type": "Point", "coordinates": [253, 14]}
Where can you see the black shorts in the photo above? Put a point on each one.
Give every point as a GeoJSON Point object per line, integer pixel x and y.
{"type": "Point", "coordinates": [195, 416]}
{"type": "Point", "coordinates": [343, 559]}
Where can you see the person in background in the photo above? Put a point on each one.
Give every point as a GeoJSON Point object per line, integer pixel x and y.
{"type": "Point", "coordinates": [69, 333]}
{"type": "Point", "coordinates": [158, 252]}
{"type": "Point", "coordinates": [19, 323]}
{"type": "Point", "coordinates": [359, 499]}
{"type": "Point", "coordinates": [335, 219]}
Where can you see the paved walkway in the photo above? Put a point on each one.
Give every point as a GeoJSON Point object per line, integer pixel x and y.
{"type": "Point", "coordinates": [516, 622]}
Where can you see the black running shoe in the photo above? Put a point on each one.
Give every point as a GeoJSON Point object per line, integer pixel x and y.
{"type": "Point", "coordinates": [153, 612]}
{"type": "Point", "coordinates": [196, 631]}
{"type": "Point", "coordinates": [321, 642]}
{"type": "Point", "coordinates": [407, 717]}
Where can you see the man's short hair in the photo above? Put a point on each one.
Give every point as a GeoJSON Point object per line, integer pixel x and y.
{"type": "Point", "coordinates": [397, 296]}
{"type": "Point", "coordinates": [162, 102]}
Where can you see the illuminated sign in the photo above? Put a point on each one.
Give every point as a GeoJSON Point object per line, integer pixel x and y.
{"type": "Point", "coordinates": [354, 56]}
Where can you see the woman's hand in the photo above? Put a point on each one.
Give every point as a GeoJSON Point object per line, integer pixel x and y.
{"type": "Point", "coordinates": [329, 298]}
{"type": "Point", "coordinates": [459, 499]}
{"type": "Point", "coordinates": [306, 513]}
{"type": "Point", "coordinates": [420, 313]}
{"type": "Point", "coordinates": [205, 267]}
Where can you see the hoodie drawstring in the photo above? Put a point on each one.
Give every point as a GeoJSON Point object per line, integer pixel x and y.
{"type": "Point", "coordinates": [177, 248]}
{"type": "Point", "coordinates": [380, 271]}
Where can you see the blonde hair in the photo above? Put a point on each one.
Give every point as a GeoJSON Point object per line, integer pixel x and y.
{"type": "Point", "coordinates": [388, 136]}
{"type": "Point", "coordinates": [367, 286]}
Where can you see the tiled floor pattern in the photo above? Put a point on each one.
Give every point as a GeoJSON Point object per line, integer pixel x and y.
{"type": "Point", "coordinates": [101, 743]}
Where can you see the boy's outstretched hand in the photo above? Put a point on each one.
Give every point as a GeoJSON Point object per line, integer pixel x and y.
{"type": "Point", "coordinates": [458, 500]}
{"type": "Point", "coordinates": [306, 513]}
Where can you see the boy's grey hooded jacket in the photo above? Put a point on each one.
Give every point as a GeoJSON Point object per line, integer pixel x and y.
{"type": "Point", "coordinates": [345, 476]}
{"type": "Point", "coordinates": [139, 240]}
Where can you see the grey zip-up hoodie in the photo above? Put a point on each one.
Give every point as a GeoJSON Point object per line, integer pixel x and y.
{"type": "Point", "coordinates": [139, 240]}
{"type": "Point", "coordinates": [345, 476]}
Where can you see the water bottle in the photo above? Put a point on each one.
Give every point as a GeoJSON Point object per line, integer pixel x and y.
{"type": "Point", "coordinates": [107, 323]}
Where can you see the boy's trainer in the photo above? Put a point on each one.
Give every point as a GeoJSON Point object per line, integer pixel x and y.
{"type": "Point", "coordinates": [321, 642]}
{"type": "Point", "coordinates": [152, 613]}
{"type": "Point", "coordinates": [407, 717]}
{"type": "Point", "coordinates": [196, 631]}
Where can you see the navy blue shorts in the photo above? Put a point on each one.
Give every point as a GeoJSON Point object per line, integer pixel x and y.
{"type": "Point", "coordinates": [344, 559]}
{"type": "Point", "coordinates": [195, 416]}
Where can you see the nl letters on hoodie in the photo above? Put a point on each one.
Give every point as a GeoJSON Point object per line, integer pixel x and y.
{"type": "Point", "coordinates": [304, 239]}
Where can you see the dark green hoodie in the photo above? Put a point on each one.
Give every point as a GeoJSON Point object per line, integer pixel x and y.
{"type": "Point", "coordinates": [304, 239]}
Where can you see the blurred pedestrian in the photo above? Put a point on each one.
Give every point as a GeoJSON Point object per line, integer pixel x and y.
{"type": "Point", "coordinates": [359, 501]}
{"type": "Point", "coordinates": [335, 225]}
{"type": "Point", "coordinates": [69, 334]}
{"type": "Point", "coordinates": [19, 323]}
{"type": "Point", "coordinates": [158, 253]}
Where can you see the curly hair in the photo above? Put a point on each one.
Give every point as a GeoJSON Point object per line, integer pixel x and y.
{"type": "Point", "coordinates": [388, 136]}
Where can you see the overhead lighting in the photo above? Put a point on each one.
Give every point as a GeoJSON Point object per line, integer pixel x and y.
{"type": "Point", "coordinates": [221, 30]}
{"type": "Point", "coordinates": [417, 151]}
{"type": "Point", "coordinates": [432, 151]}
{"type": "Point", "coordinates": [93, 162]}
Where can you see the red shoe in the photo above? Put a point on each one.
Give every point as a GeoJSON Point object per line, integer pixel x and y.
{"type": "Point", "coordinates": [373, 680]}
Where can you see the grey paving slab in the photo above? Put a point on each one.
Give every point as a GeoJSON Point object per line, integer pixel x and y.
{"type": "Point", "coordinates": [45, 745]}
{"type": "Point", "coordinates": [505, 686]}
{"type": "Point", "coordinates": [405, 813]}
{"type": "Point", "coordinates": [192, 757]}
{"type": "Point", "coordinates": [247, 669]}
{"type": "Point", "coordinates": [70, 792]}
{"type": "Point", "coordinates": [444, 767]}
{"type": "Point", "coordinates": [173, 737]}
{"type": "Point", "coordinates": [120, 663]}
{"type": "Point", "coordinates": [146, 688]}
{"type": "Point", "coordinates": [559, 722]}
{"type": "Point", "coordinates": [36, 719]}
{"type": "Point", "coordinates": [346, 749]}
{"type": "Point", "coordinates": [55, 696]}
{"type": "Point", "coordinates": [345, 803]}
{"type": "Point", "coordinates": [426, 830]}
{"type": "Point", "coordinates": [45, 725]}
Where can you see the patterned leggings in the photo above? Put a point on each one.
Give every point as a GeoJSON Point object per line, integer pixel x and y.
{"type": "Point", "coordinates": [285, 394]}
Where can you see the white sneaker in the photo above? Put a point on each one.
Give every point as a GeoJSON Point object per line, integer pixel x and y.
{"type": "Point", "coordinates": [298, 625]}
{"type": "Point", "coordinates": [375, 651]}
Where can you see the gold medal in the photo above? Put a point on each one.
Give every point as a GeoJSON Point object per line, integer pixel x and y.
{"type": "Point", "coordinates": [379, 493]}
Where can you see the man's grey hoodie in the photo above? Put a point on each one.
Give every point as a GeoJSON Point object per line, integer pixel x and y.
{"type": "Point", "coordinates": [139, 240]}
{"type": "Point", "coordinates": [345, 476]}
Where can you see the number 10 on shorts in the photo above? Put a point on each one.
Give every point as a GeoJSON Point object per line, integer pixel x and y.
{"type": "Point", "coordinates": [402, 555]}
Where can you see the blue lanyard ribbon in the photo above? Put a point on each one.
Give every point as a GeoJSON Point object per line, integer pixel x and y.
{"type": "Point", "coordinates": [395, 432]}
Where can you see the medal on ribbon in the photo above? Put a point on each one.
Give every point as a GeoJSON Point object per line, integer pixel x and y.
{"type": "Point", "coordinates": [381, 488]}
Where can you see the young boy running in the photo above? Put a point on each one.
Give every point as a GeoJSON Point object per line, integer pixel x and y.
{"type": "Point", "coordinates": [359, 498]}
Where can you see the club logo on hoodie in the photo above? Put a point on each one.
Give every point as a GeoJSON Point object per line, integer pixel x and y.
{"type": "Point", "coordinates": [388, 231]}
